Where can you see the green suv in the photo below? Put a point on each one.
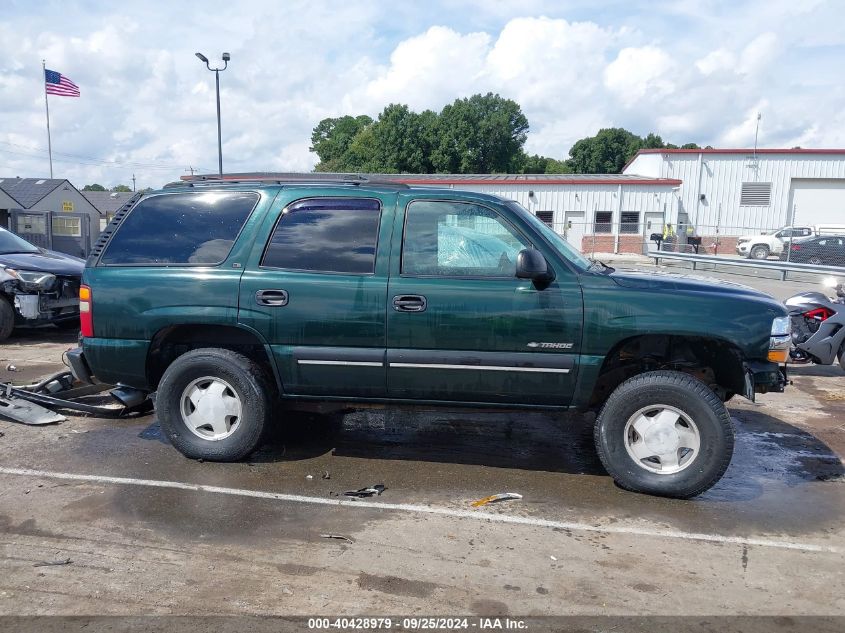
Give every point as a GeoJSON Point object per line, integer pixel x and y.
{"type": "Point", "coordinates": [231, 297]}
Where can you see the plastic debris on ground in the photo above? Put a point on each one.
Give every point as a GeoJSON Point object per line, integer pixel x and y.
{"type": "Point", "coordinates": [504, 496]}
{"type": "Point", "coordinates": [366, 492]}
{"type": "Point", "coordinates": [53, 563]}
{"type": "Point", "coordinates": [338, 537]}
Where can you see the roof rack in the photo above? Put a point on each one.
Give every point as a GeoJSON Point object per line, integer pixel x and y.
{"type": "Point", "coordinates": [352, 180]}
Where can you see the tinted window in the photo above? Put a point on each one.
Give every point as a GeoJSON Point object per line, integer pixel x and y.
{"type": "Point", "coordinates": [454, 239]}
{"type": "Point", "coordinates": [326, 235]}
{"type": "Point", "coordinates": [181, 228]}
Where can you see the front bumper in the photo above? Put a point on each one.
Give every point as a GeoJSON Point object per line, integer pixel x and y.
{"type": "Point", "coordinates": [742, 249]}
{"type": "Point", "coordinates": [763, 377]}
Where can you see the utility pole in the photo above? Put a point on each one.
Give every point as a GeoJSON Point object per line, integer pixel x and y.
{"type": "Point", "coordinates": [756, 131]}
{"type": "Point", "coordinates": [133, 182]}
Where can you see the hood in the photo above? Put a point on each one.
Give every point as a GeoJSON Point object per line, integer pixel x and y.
{"type": "Point", "coordinates": [660, 280]}
{"type": "Point", "coordinates": [45, 262]}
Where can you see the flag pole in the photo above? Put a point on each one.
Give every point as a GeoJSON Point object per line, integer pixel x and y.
{"type": "Point", "coordinates": [47, 108]}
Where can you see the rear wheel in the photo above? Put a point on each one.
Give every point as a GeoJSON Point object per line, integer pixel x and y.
{"type": "Point", "coordinates": [759, 252]}
{"type": "Point", "coordinates": [815, 260]}
{"type": "Point", "coordinates": [7, 319]}
{"type": "Point", "coordinates": [664, 433]}
{"type": "Point", "coordinates": [214, 404]}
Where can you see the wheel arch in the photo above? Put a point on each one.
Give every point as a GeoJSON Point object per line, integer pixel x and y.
{"type": "Point", "coordinates": [714, 360]}
{"type": "Point", "coordinates": [172, 341]}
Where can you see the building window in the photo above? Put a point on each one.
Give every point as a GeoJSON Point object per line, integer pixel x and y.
{"type": "Point", "coordinates": [755, 194]}
{"type": "Point", "coordinates": [603, 222]}
{"type": "Point", "coordinates": [630, 222]}
{"type": "Point", "coordinates": [67, 227]}
{"type": "Point", "coordinates": [548, 217]}
{"type": "Point", "coordinates": [34, 224]}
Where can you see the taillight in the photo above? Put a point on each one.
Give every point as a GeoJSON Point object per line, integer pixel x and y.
{"type": "Point", "coordinates": [796, 247]}
{"type": "Point", "coordinates": [818, 314]}
{"type": "Point", "coordinates": [86, 317]}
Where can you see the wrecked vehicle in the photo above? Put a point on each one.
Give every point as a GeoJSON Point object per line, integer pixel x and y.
{"type": "Point", "coordinates": [37, 286]}
{"type": "Point", "coordinates": [229, 298]}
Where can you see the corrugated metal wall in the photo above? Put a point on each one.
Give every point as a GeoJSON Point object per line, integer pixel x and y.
{"type": "Point", "coordinates": [721, 178]}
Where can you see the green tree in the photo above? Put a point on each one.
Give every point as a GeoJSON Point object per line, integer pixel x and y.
{"type": "Point", "coordinates": [94, 187]}
{"type": "Point", "coordinates": [605, 153]}
{"type": "Point", "coordinates": [331, 139]}
{"type": "Point", "coordinates": [608, 151]}
{"type": "Point", "coordinates": [537, 164]}
{"type": "Point", "coordinates": [121, 188]}
{"type": "Point", "coordinates": [482, 134]}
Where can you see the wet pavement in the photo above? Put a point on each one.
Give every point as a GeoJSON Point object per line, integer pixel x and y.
{"type": "Point", "coordinates": [175, 536]}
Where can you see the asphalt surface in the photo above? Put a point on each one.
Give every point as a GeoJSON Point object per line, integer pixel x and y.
{"type": "Point", "coordinates": [148, 531]}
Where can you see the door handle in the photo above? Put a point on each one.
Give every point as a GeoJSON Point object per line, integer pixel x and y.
{"type": "Point", "coordinates": [409, 303]}
{"type": "Point", "coordinates": [277, 298]}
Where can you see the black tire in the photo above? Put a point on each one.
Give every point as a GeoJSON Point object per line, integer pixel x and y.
{"type": "Point", "coordinates": [815, 260]}
{"type": "Point", "coordinates": [759, 252]}
{"type": "Point", "coordinates": [841, 356]}
{"type": "Point", "coordinates": [246, 379]}
{"type": "Point", "coordinates": [7, 319]}
{"type": "Point", "coordinates": [684, 393]}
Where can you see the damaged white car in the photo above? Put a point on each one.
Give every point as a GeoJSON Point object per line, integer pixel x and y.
{"type": "Point", "coordinates": [37, 286]}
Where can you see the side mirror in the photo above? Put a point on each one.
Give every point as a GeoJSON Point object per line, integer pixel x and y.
{"type": "Point", "coordinates": [530, 264]}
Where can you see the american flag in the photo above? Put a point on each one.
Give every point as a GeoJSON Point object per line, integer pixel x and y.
{"type": "Point", "coordinates": [58, 84]}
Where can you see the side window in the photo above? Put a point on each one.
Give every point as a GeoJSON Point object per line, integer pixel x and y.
{"type": "Point", "coordinates": [455, 239]}
{"type": "Point", "coordinates": [180, 228]}
{"type": "Point", "coordinates": [337, 235]}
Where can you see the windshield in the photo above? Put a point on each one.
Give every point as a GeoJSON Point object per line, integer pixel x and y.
{"type": "Point", "coordinates": [558, 241]}
{"type": "Point", "coordinates": [11, 243]}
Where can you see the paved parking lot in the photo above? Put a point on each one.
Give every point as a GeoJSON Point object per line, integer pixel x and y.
{"type": "Point", "coordinates": [148, 531]}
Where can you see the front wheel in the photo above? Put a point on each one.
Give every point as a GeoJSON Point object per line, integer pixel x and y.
{"type": "Point", "coordinates": [213, 404]}
{"type": "Point", "coordinates": [664, 433]}
{"type": "Point", "coordinates": [759, 252]}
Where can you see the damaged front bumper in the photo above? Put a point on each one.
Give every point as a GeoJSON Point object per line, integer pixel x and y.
{"type": "Point", "coordinates": [55, 300]}
{"type": "Point", "coordinates": [763, 377]}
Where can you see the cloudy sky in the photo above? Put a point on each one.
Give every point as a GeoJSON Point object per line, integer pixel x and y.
{"type": "Point", "coordinates": [686, 69]}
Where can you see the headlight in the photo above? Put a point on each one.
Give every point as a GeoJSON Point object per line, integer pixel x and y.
{"type": "Point", "coordinates": [33, 278]}
{"type": "Point", "coordinates": [742, 240]}
{"type": "Point", "coordinates": [780, 339]}
{"type": "Point", "coordinates": [781, 326]}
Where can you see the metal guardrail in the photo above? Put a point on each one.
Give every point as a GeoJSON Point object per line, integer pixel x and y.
{"type": "Point", "coordinates": [780, 266]}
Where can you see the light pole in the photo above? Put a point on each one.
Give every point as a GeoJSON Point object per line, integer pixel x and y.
{"type": "Point", "coordinates": [226, 58]}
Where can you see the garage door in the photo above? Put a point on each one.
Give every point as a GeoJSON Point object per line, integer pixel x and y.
{"type": "Point", "coordinates": [818, 201]}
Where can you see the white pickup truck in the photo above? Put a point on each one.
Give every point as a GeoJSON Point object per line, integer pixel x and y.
{"type": "Point", "coordinates": [762, 246]}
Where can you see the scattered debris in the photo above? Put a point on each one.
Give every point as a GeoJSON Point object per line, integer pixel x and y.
{"type": "Point", "coordinates": [339, 537]}
{"type": "Point", "coordinates": [553, 557]}
{"type": "Point", "coordinates": [366, 492]}
{"type": "Point", "coordinates": [53, 563]}
{"type": "Point", "coordinates": [309, 477]}
{"type": "Point", "coordinates": [11, 367]}
{"type": "Point", "coordinates": [326, 475]}
{"type": "Point", "coordinates": [19, 410]}
{"type": "Point", "coordinates": [504, 496]}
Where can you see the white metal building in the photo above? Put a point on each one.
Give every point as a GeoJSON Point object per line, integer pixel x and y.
{"type": "Point", "coordinates": [741, 190]}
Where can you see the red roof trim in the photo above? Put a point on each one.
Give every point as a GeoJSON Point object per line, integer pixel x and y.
{"type": "Point", "coordinates": [797, 150]}
{"type": "Point", "coordinates": [550, 181]}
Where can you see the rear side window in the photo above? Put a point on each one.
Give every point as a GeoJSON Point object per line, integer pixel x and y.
{"type": "Point", "coordinates": [180, 228]}
{"type": "Point", "coordinates": [337, 235]}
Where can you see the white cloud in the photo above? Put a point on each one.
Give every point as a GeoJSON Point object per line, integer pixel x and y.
{"type": "Point", "coordinates": [640, 72]}
{"type": "Point", "coordinates": [717, 61]}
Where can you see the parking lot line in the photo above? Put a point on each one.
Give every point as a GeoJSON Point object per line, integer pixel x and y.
{"type": "Point", "coordinates": [424, 509]}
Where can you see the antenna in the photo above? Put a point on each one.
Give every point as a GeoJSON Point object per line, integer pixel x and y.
{"type": "Point", "coordinates": [756, 131]}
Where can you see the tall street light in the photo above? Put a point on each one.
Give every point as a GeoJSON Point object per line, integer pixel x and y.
{"type": "Point", "coordinates": [226, 58]}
